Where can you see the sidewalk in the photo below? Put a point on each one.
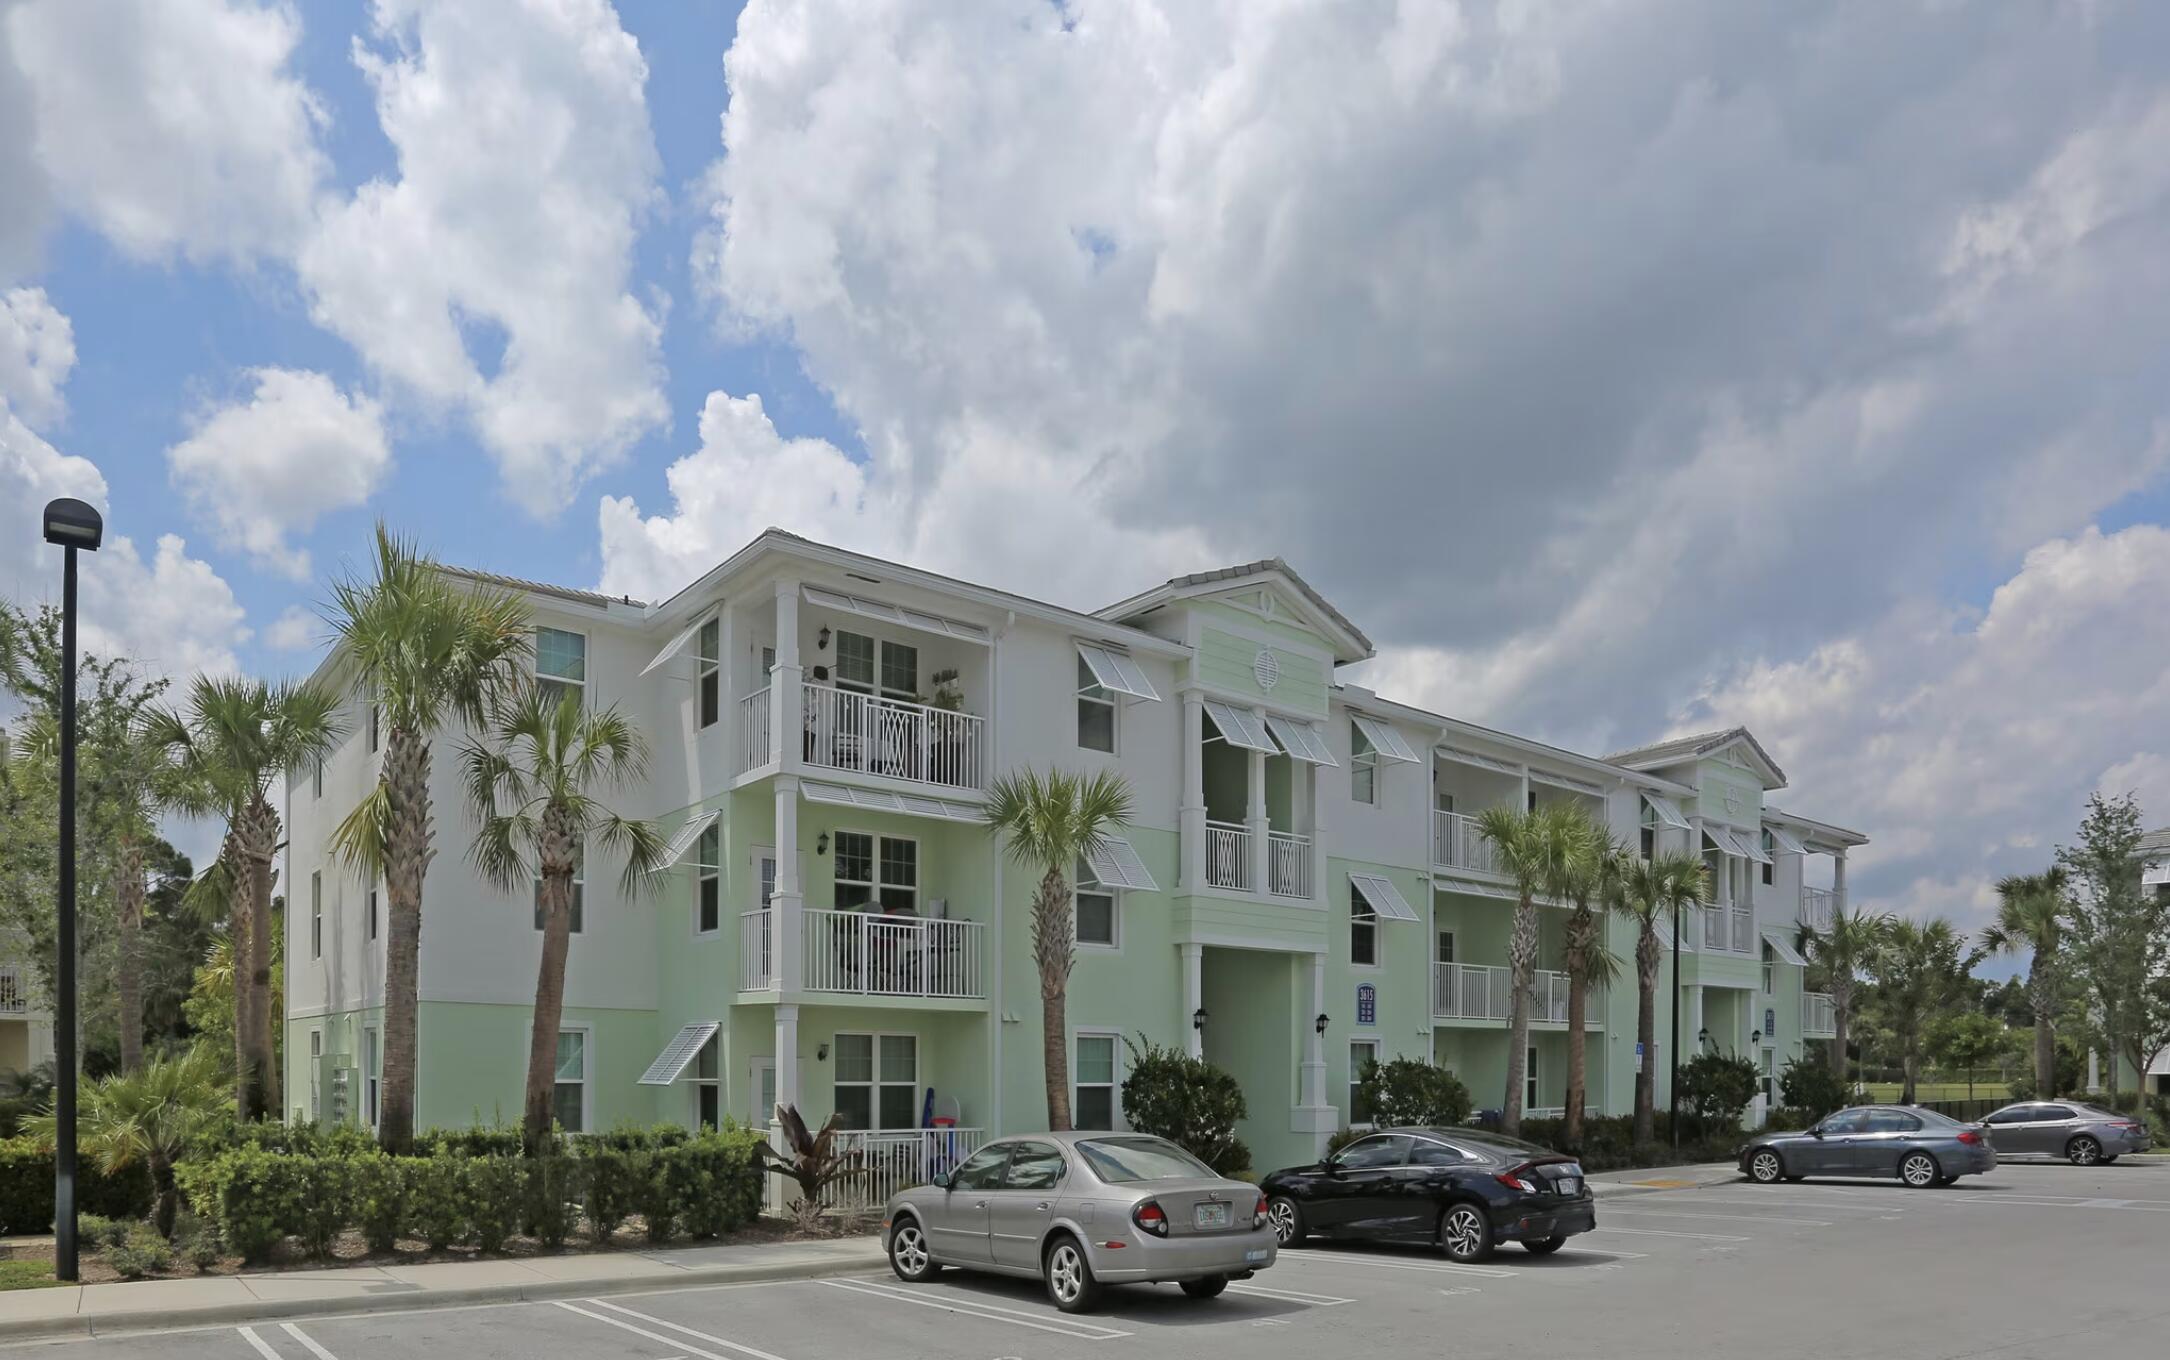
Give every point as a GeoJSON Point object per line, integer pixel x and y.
{"type": "Point", "coordinates": [1651, 1178]}
{"type": "Point", "coordinates": [155, 1305]}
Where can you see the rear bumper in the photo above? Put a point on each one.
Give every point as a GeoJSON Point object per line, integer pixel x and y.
{"type": "Point", "coordinates": [1534, 1224]}
{"type": "Point", "coordinates": [1970, 1161]}
{"type": "Point", "coordinates": [1143, 1259]}
{"type": "Point", "coordinates": [2118, 1144]}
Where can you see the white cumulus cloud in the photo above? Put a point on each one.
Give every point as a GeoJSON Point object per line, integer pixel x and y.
{"type": "Point", "coordinates": [37, 351]}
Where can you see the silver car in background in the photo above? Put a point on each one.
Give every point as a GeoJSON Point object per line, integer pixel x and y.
{"type": "Point", "coordinates": [1920, 1147]}
{"type": "Point", "coordinates": [2083, 1135]}
{"type": "Point", "coordinates": [1080, 1211]}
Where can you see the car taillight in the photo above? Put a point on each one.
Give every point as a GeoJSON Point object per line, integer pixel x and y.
{"type": "Point", "coordinates": [2127, 1125]}
{"type": "Point", "coordinates": [1969, 1136]}
{"type": "Point", "coordinates": [1150, 1218]}
{"type": "Point", "coordinates": [1514, 1180]}
{"type": "Point", "coordinates": [1258, 1215]}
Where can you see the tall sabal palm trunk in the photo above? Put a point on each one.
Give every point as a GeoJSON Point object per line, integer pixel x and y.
{"type": "Point", "coordinates": [1581, 946]}
{"type": "Point", "coordinates": [1522, 969]}
{"type": "Point", "coordinates": [540, 1106]}
{"type": "Point", "coordinates": [128, 966]}
{"type": "Point", "coordinates": [1054, 953]}
{"type": "Point", "coordinates": [1842, 1018]}
{"type": "Point", "coordinates": [2042, 995]}
{"type": "Point", "coordinates": [260, 847]}
{"type": "Point", "coordinates": [237, 953]}
{"type": "Point", "coordinates": [1648, 955]}
{"type": "Point", "coordinates": [407, 855]}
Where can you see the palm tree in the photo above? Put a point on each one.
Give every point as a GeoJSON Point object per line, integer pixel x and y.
{"type": "Point", "coordinates": [2031, 911]}
{"type": "Point", "coordinates": [1536, 850]}
{"type": "Point", "coordinates": [1842, 952]}
{"type": "Point", "coordinates": [1648, 891]}
{"type": "Point", "coordinates": [1918, 971]}
{"type": "Point", "coordinates": [1051, 821]}
{"type": "Point", "coordinates": [533, 781]}
{"type": "Point", "coordinates": [236, 737]}
{"type": "Point", "coordinates": [426, 651]}
{"type": "Point", "coordinates": [149, 1115]}
{"type": "Point", "coordinates": [1593, 865]}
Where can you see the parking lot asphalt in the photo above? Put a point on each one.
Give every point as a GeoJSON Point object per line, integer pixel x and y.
{"type": "Point", "coordinates": [2029, 1260]}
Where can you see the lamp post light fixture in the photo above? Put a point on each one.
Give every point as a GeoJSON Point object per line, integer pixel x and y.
{"type": "Point", "coordinates": [69, 525]}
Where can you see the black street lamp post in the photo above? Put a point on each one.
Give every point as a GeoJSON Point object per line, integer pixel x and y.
{"type": "Point", "coordinates": [1672, 1083]}
{"type": "Point", "coordinates": [71, 525]}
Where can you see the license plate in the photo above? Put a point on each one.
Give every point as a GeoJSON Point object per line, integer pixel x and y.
{"type": "Point", "coordinates": [1570, 1185]}
{"type": "Point", "coordinates": [1210, 1216]}
{"type": "Point", "coordinates": [1258, 1255]}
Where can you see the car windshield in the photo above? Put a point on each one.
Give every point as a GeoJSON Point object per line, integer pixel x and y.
{"type": "Point", "coordinates": [1123, 1161]}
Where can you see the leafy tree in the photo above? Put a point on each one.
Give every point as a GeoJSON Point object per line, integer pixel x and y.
{"type": "Point", "coordinates": [149, 1115]}
{"type": "Point", "coordinates": [1187, 1101]}
{"type": "Point", "coordinates": [815, 1163]}
{"type": "Point", "coordinates": [1968, 1040]}
{"type": "Point", "coordinates": [427, 651]}
{"type": "Point", "coordinates": [1049, 822]}
{"type": "Point", "coordinates": [1412, 1093]}
{"type": "Point", "coordinates": [1918, 969]}
{"type": "Point", "coordinates": [1650, 892]}
{"type": "Point", "coordinates": [1717, 1088]}
{"type": "Point", "coordinates": [2120, 932]}
{"type": "Point", "coordinates": [1839, 955]}
{"type": "Point", "coordinates": [534, 781]}
{"type": "Point", "coordinates": [1810, 1084]}
{"type": "Point", "coordinates": [1538, 850]}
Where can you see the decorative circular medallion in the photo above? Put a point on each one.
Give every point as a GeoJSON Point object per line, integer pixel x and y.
{"type": "Point", "coordinates": [1266, 668]}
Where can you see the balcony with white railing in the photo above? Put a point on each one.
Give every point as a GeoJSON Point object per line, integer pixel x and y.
{"type": "Point", "coordinates": [884, 1161]}
{"type": "Point", "coordinates": [1288, 865]}
{"type": "Point", "coordinates": [753, 730]}
{"type": "Point", "coordinates": [1819, 906]}
{"type": "Point", "coordinates": [14, 992]}
{"type": "Point", "coordinates": [1228, 856]}
{"type": "Point", "coordinates": [1729, 930]}
{"type": "Point", "coordinates": [872, 734]}
{"type": "Point", "coordinates": [1458, 844]}
{"type": "Point", "coordinates": [757, 970]}
{"type": "Point", "coordinates": [867, 954]}
{"type": "Point", "coordinates": [1475, 991]}
{"type": "Point", "coordinates": [1818, 1019]}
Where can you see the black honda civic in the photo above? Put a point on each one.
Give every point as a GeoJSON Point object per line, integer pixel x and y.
{"type": "Point", "coordinates": [1464, 1190]}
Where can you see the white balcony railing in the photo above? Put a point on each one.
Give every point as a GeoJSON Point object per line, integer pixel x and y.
{"type": "Point", "coordinates": [1729, 929]}
{"type": "Point", "coordinates": [14, 992]}
{"type": "Point", "coordinates": [875, 735]}
{"type": "Point", "coordinates": [1458, 844]}
{"type": "Point", "coordinates": [1288, 864]}
{"type": "Point", "coordinates": [753, 731]}
{"type": "Point", "coordinates": [1228, 856]}
{"type": "Point", "coordinates": [867, 954]}
{"type": "Point", "coordinates": [1475, 991]}
{"type": "Point", "coordinates": [890, 1160]}
{"type": "Point", "coordinates": [1818, 1019]}
{"type": "Point", "coordinates": [757, 972]}
{"type": "Point", "coordinates": [1818, 907]}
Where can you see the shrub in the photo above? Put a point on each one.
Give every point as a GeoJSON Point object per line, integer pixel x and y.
{"type": "Point", "coordinates": [655, 1191]}
{"type": "Point", "coordinates": [1808, 1084]}
{"type": "Point", "coordinates": [142, 1252]}
{"type": "Point", "coordinates": [197, 1242]}
{"type": "Point", "coordinates": [326, 1202]}
{"type": "Point", "coordinates": [1790, 1119]}
{"type": "Point", "coordinates": [26, 1188]}
{"type": "Point", "coordinates": [496, 1199]}
{"type": "Point", "coordinates": [1187, 1101]}
{"type": "Point", "coordinates": [96, 1231]}
{"type": "Point", "coordinates": [253, 1195]}
{"type": "Point", "coordinates": [380, 1199]}
{"type": "Point", "coordinates": [635, 1138]}
{"type": "Point", "coordinates": [716, 1180]}
{"type": "Point", "coordinates": [553, 1184]}
{"type": "Point", "coordinates": [1341, 1138]}
{"type": "Point", "coordinates": [440, 1199]}
{"type": "Point", "coordinates": [609, 1190]}
{"type": "Point", "coordinates": [1718, 1089]}
{"type": "Point", "coordinates": [491, 1140]}
{"type": "Point", "coordinates": [1410, 1092]}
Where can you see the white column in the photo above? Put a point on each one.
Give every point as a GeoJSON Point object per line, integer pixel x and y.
{"type": "Point", "coordinates": [2094, 1072]}
{"type": "Point", "coordinates": [1255, 817]}
{"type": "Point", "coordinates": [787, 906]}
{"type": "Point", "coordinates": [1838, 878]}
{"type": "Point", "coordinates": [1191, 813]}
{"type": "Point", "coordinates": [1194, 996]}
{"type": "Point", "coordinates": [1320, 888]}
{"type": "Point", "coordinates": [1691, 1033]}
{"type": "Point", "coordinates": [786, 699]}
{"type": "Point", "coordinates": [1314, 1064]}
{"type": "Point", "coordinates": [787, 1056]}
{"type": "Point", "coordinates": [729, 691]}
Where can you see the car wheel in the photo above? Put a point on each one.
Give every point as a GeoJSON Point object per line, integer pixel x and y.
{"type": "Point", "coordinates": [1465, 1234]}
{"type": "Point", "coordinates": [1208, 1288]}
{"type": "Point", "coordinates": [1765, 1168]}
{"type": "Point", "coordinates": [1920, 1170]}
{"type": "Point", "coordinates": [908, 1254]}
{"type": "Point", "coordinates": [1287, 1217]}
{"type": "Point", "coordinates": [2083, 1151]}
{"type": "Point", "coordinates": [1546, 1247]}
{"type": "Point", "coordinates": [1070, 1281]}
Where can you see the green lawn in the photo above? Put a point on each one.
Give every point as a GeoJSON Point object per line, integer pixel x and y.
{"type": "Point", "coordinates": [26, 1275]}
{"type": "Point", "coordinates": [1888, 1091]}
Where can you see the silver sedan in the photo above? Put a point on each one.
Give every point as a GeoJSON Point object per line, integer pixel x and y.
{"type": "Point", "coordinates": [2081, 1134]}
{"type": "Point", "coordinates": [1080, 1211]}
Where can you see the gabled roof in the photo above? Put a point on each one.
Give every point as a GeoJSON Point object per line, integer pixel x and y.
{"type": "Point", "coordinates": [541, 587]}
{"type": "Point", "coordinates": [1818, 833]}
{"type": "Point", "coordinates": [1349, 641]}
{"type": "Point", "coordinates": [1680, 750]}
{"type": "Point", "coordinates": [2156, 842]}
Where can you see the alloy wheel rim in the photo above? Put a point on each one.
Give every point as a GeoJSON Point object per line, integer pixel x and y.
{"type": "Point", "coordinates": [1284, 1219]}
{"type": "Point", "coordinates": [1766, 1166]}
{"type": "Point", "coordinates": [1920, 1170]}
{"type": "Point", "coordinates": [1065, 1271]}
{"type": "Point", "coordinates": [911, 1251]}
{"type": "Point", "coordinates": [1463, 1232]}
{"type": "Point", "coordinates": [2084, 1151]}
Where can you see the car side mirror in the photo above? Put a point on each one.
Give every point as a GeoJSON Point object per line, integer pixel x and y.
{"type": "Point", "coordinates": [940, 1181]}
{"type": "Point", "coordinates": [1816, 1132]}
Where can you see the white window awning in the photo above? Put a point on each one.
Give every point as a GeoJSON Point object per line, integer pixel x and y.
{"type": "Point", "coordinates": [1752, 843]}
{"type": "Point", "coordinates": [897, 614]}
{"type": "Point", "coordinates": [1665, 935]}
{"type": "Point", "coordinates": [679, 844]}
{"type": "Point", "coordinates": [1723, 839]}
{"type": "Point", "coordinates": [1384, 739]}
{"type": "Point", "coordinates": [673, 647]}
{"type": "Point", "coordinates": [1117, 671]}
{"type": "Point", "coordinates": [1240, 727]}
{"type": "Point", "coordinates": [1783, 948]}
{"type": "Point", "coordinates": [1667, 811]}
{"type": "Point", "coordinates": [1461, 757]}
{"type": "Point", "coordinates": [1303, 741]}
{"type": "Point", "coordinates": [1469, 887]}
{"type": "Point", "coordinates": [1561, 781]}
{"type": "Point", "coordinates": [1385, 899]}
{"type": "Point", "coordinates": [1115, 864]}
{"type": "Point", "coordinates": [2156, 873]}
{"type": "Point", "coordinates": [881, 800]}
{"type": "Point", "coordinates": [1786, 840]}
{"type": "Point", "coordinates": [679, 1053]}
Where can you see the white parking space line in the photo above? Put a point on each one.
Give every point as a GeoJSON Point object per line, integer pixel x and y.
{"type": "Point", "coordinates": [1664, 1232]}
{"type": "Point", "coordinates": [1288, 1295]}
{"type": "Point", "coordinates": [660, 1337]}
{"type": "Point", "coordinates": [1366, 1262]}
{"type": "Point", "coordinates": [1825, 1204]}
{"type": "Point", "coordinates": [305, 1339]}
{"type": "Point", "coordinates": [951, 1303]}
{"type": "Point", "coordinates": [1739, 1218]}
{"type": "Point", "coordinates": [249, 1335]}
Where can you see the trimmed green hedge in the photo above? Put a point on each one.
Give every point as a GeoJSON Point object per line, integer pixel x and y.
{"type": "Point", "coordinates": [26, 1188]}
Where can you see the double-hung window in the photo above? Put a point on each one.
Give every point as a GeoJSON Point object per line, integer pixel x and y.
{"type": "Point", "coordinates": [372, 913]}
{"type": "Point", "coordinates": [707, 1086]}
{"type": "Point", "coordinates": [866, 665]}
{"type": "Point", "coordinates": [1530, 1083]}
{"type": "Point", "coordinates": [316, 1074]}
{"type": "Point", "coordinates": [1362, 1052]}
{"type": "Point", "coordinates": [1092, 1104]}
{"type": "Point", "coordinates": [876, 871]}
{"type": "Point", "coordinates": [708, 677]}
{"type": "Point", "coordinates": [569, 1098]}
{"type": "Point", "coordinates": [580, 891]}
{"type": "Point", "coordinates": [372, 1076]}
{"type": "Point", "coordinates": [877, 1080]}
{"type": "Point", "coordinates": [1770, 861]}
{"type": "Point", "coordinates": [1095, 711]}
{"type": "Point", "coordinates": [1095, 912]}
{"type": "Point", "coordinates": [1770, 970]}
{"type": "Point", "coordinates": [708, 885]}
{"type": "Point", "coordinates": [1363, 930]}
{"type": "Point", "coordinates": [317, 780]}
{"type": "Point", "coordinates": [376, 723]}
{"type": "Point", "coordinates": [316, 915]}
{"type": "Point", "coordinates": [561, 663]}
{"type": "Point", "coordinates": [1363, 767]}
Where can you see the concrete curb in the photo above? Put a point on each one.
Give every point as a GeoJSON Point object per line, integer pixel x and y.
{"type": "Point", "coordinates": [153, 1319]}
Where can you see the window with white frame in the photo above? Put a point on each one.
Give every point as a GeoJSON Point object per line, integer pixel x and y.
{"type": "Point", "coordinates": [708, 885]}
{"type": "Point", "coordinates": [569, 1098]}
{"type": "Point", "coordinates": [317, 779]}
{"type": "Point", "coordinates": [707, 1085]}
{"type": "Point", "coordinates": [1096, 910]}
{"type": "Point", "coordinates": [1530, 1083]}
{"type": "Point", "coordinates": [764, 872]}
{"type": "Point", "coordinates": [1770, 861]}
{"type": "Point", "coordinates": [316, 1074]}
{"type": "Point", "coordinates": [1446, 946]}
{"type": "Point", "coordinates": [761, 1090]}
{"type": "Point", "coordinates": [1649, 842]}
{"type": "Point", "coordinates": [1770, 969]}
{"type": "Point", "coordinates": [1361, 1052]}
{"type": "Point", "coordinates": [877, 1081]}
{"type": "Point", "coordinates": [372, 927]}
{"type": "Point", "coordinates": [708, 672]}
{"type": "Point", "coordinates": [1095, 1082]}
{"type": "Point", "coordinates": [1363, 930]}
{"type": "Point", "coordinates": [580, 892]}
{"type": "Point", "coordinates": [866, 665]}
{"type": "Point", "coordinates": [1095, 711]}
{"type": "Point", "coordinates": [376, 719]}
{"type": "Point", "coordinates": [561, 663]}
{"type": "Point", "coordinates": [1363, 767]}
{"type": "Point", "coordinates": [876, 871]}
{"type": "Point", "coordinates": [372, 1076]}
{"type": "Point", "coordinates": [316, 915]}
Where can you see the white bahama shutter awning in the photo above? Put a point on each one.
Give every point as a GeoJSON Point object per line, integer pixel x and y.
{"type": "Point", "coordinates": [898, 614]}
{"type": "Point", "coordinates": [1723, 839]}
{"type": "Point", "coordinates": [678, 1053]}
{"type": "Point", "coordinates": [1116, 670]}
{"type": "Point", "coordinates": [2156, 873]}
{"type": "Point", "coordinates": [1385, 899]}
{"type": "Point", "coordinates": [1664, 924]}
{"type": "Point", "coordinates": [1783, 948]}
{"type": "Point", "coordinates": [675, 850]}
{"type": "Point", "coordinates": [1497, 766]}
{"type": "Point", "coordinates": [1666, 811]}
{"type": "Point", "coordinates": [1384, 739]}
{"type": "Point", "coordinates": [673, 647]}
{"type": "Point", "coordinates": [881, 800]}
{"type": "Point", "coordinates": [1240, 727]}
{"type": "Point", "coordinates": [1115, 864]}
{"type": "Point", "coordinates": [1568, 782]}
{"type": "Point", "coordinates": [1751, 842]}
{"type": "Point", "coordinates": [1303, 741]}
{"type": "Point", "coordinates": [1786, 840]}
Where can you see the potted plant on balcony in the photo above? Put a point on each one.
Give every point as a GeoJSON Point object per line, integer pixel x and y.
{"type": "Point", "coordinates": [948, 746]}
